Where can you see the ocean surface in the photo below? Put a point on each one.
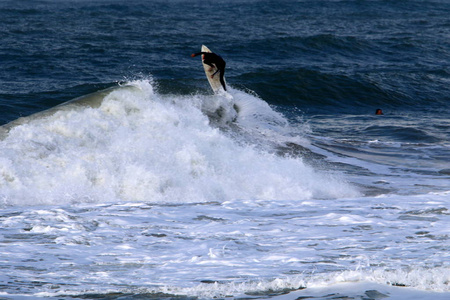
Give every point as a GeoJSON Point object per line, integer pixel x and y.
{"type": "Point", "coordinates": [122, 176]}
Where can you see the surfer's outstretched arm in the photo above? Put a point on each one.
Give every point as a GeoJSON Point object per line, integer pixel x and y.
{"type": "Point", "coordinates": [199, 53]}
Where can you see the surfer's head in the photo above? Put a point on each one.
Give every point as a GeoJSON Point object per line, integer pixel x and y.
{"type": "Point", "coordinates": [378, 112]}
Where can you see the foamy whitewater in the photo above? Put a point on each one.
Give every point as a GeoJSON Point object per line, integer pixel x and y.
{"type": "Point", "coordinates": [130, 192]}
{"type": "Point", "coordinates": [141, 146]}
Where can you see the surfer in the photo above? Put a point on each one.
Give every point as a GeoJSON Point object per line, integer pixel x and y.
{"type": "Point", "coordinates": [378, 112]}
{"type": "Point", "coordinates": [214, 60]}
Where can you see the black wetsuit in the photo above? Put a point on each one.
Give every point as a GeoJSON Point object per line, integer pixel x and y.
{"type": "Point", "coordinates": [214, 60]}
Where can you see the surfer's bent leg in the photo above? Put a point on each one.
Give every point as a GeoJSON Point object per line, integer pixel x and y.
{"type": "Point", "coordinates": [222, 81]}
{"type": "Point", "coordinates": [221, 68]}
{"type": "Point", "coordinates": [215, 73]}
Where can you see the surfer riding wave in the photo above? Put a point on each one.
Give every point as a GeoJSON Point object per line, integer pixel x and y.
{"type": "Point", "coordinates": [214, 61]}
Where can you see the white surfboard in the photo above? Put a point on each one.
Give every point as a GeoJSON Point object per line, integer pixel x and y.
{"type": "Point", "coordinates": [215, 81]}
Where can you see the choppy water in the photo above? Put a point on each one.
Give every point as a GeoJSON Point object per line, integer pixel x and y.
{"type": "Point", "coordinates": [148, 186]}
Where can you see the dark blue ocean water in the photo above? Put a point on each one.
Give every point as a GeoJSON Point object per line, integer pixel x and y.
{"type": "Point", "coordinates": [326, 57]}
{"type": "Point", "coordinates": [324, 65]}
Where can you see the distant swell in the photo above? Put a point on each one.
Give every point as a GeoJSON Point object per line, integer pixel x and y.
{"type": "Point", "coordinates": [316, 91]}
{"type": "Point", "coordinates": [402, 134]}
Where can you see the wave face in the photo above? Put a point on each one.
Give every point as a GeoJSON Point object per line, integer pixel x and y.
{"type": "Point", "coordinates": [138, 145]}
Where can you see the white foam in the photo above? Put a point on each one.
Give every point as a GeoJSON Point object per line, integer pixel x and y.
{"type": "Point", "coordinates": [418, 283]}
{"type": "Point", "coordinates": [233, 248]}
{"type": "Point", "coordinates": [138, 145]}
